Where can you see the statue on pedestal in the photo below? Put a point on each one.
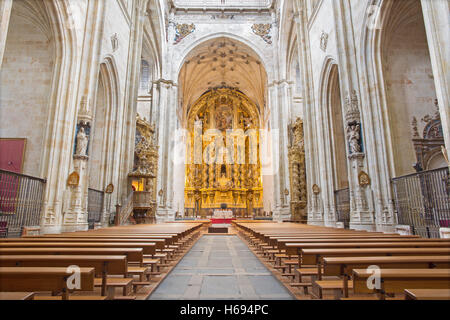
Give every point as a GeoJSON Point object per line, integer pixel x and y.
{"type": "Point", "coordinates": [82, 143]}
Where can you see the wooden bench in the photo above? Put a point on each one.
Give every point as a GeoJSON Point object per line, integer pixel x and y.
{"type": "Point", "coordinates": [427, 294]}
{"type": "Point", "coordinates": [148, 248]}
{"type": "Point", "coordinates": [134, 255]}
{"type": "Point", "coordinates": [16, 296]}
{"type": "Point", "coordinates": [37, 279]}
{"type": "Point", "coordinates": [313, 256]}
{"type": "Point", "coordinates": [395, 281]}
{"type": "Point", "coordinates": [103, 265]}
{"type": "Point", "coordinates": [343, 266]}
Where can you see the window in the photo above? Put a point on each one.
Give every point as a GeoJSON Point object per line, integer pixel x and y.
{"type": "Point", "coordinates": [145, 76]}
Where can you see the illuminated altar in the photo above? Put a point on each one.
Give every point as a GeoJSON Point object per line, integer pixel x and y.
{"type": "Point", "coordinates": [223, 154]}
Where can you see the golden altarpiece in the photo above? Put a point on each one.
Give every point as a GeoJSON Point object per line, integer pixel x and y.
{"type": "Point", "coordinates": [223, 155]}
{"type": "Point", "coordinates": [297, 171]}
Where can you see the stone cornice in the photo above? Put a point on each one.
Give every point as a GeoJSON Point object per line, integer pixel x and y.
{"type": "Point", "coordinates": [166, 82]}
{"type": "Point", "coordinates": [280, 82]}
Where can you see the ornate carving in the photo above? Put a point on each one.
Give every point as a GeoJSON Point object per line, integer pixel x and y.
{"type": "Point", "coordinates": [114, 42]}
{"type": "Point", "coordinates": [316, 189]}
{"type": "Point", "coordinates": [414, 127]}
{"type": "Point", "coordinates": [352, 113]}
{"type": "Point", "coordinates": [430, 144]}
{"type": "Point", "coordinates": [182, 31]}
{"type": "Point", "coordinates": [324, 41]}
{"type": "Point", "coordinates": [109, 189]}
{"type": "Point", "coordinates": [223, 184]}
{"type": "Point", "coordinates": [82, 141]}
{"type": "Point", "coordinates": [354, 138]}
{"type": "Point", "coordinates": [363, 179]}
{"type": "Point", "coordinates": [146, 153]}
{"type": "Point", "coordinates": [263, 30]}
{"type": "Point", "coordinates": [74, 179]}
{"type": "Point", "coordinates": [226, 166]}
{"type": "Point", "coordinates": [297, 170]}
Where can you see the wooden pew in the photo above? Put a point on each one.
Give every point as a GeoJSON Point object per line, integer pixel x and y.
{"type": "Point", "coordinates": [427, 294]}
{"type": "Point", "coordinates": [395, 281]}
{"type": "Point", "coordinates": [313, 256]}
{"type": "Point", "coordinates": [16, 296]}
{"type": "Point", "coordinates": [295, 248]}
{"type": "Point", "coordinates": [103, 265]}
{"type": "Point", "coordinates": [343, 266]}
{"type": "Point", "coordinates": [23, 279]}
{"type": "Point", "coordinates": [148, 248]}
{"type": "Point", "coordinates": [134, 255]}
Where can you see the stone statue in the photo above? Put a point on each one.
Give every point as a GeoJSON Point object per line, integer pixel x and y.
{"type": "Point", "coordinates": [353, 136]}
{"type": "Point", "coordinates": [82, 143]}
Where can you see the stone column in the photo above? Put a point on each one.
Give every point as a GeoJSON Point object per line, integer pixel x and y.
{"type": "Point", "coordinates": [281, 209]}
{"type": "Point", "coordinates": [166, 138]}
{"type": "Point", "coordinates": [77, 62]}
{"type": "Point", "coordinates": [76, 217]}
{"type": "Point", "coordinates": [315, 208]}
{"type": "Point", "coordinates": [127, 142]}
{"type": "Point", "coordinates": [362, 214]}
{"type": "Point", "coordinates": [5, 14]}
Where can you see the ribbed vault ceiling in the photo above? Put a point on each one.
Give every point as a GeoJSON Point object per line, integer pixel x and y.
{"type": "Point", "coordinates": [222, 62]}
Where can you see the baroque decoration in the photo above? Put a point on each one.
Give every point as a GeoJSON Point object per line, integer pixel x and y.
{"type": "Point", "coordinates": [428, 144]}
{"type": "Point", "coordinates": [145, 170]}
{"type": "Point", "coordinates": [263, 30]}
{"type": "Point", "coordinates": [182, 31]}
{"type": "Point", "coordinates": [223, 164]}
{"type": "Point", "coordinates": [297, 170]}
{"type": "Point", "coordinates": [74, 179]}
{"type": "Point", "coordinates": [353, 123]}
{"type": "Point", "coordinates": [363, 179]}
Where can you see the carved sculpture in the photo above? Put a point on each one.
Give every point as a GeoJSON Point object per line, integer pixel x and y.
{"type": "Point", "coordinates": [82, 143]}
{"type": "Point", "coordinates": [354, 136]}
{"type": "Point", "coordinates": [352, 113]}
{"type": "Point", "coordinates": [145, 170]}
{"type": "Point", "coordinates": [297, 171]}
{"type": "Point", "coordinates": [324, 41]}
{"type": "Point", "coordinates": [429, 144]}
{"type": "Point", "coordinates": [182, 31]}
{"type": "Point", "coordinates": [263, 30]}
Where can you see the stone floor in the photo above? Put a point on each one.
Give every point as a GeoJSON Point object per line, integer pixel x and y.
{"type": "Point", "coordinates": [220, 267]}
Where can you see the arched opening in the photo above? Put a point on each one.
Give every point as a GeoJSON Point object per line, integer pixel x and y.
{"type": "Point", "coordinates": [410, 89]}
{"type": "Point", "coordinates": [336, 151]}
{"type": "Point", "coordinates": [98, 147]}
{"type": "Point", "coordinates": [102, 132]}
{"type": "Point", "coordinates": [28, 62]}
{"type": "Point", "coordinates": [411, 117]}
{"type": "Point", "coordinates": [222, 92]}
{"type": "Point", "coordinates": [337, 133]}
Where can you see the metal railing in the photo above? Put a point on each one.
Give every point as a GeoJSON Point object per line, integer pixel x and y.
{"type": "Point", "coordinates": [96, 200]}
{"type": "Point", "coordinates": [342, 201]}
{"type": "Point", "coordinates": [422, 201]}
{"type": "Point", "coordinates": [21, 200]}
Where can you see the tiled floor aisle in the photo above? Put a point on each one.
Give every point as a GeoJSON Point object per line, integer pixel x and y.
{"type": "Point", "coordinates": [220, 267]}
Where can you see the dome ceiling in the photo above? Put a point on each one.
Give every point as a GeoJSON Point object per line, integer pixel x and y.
{"type": "Point", "coordinates": [222, 62]}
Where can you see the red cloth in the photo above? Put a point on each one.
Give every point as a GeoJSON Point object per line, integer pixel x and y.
{"type": "Point", "coordinates": [222, 221]}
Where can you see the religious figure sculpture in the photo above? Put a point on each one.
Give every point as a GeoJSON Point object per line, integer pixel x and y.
{"type": "Point", "coordinates": [82, 143]}
{"type": "Point", "coordinates": [353, 136]}
{"type": "Point", "coordinates": [224, 184]}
